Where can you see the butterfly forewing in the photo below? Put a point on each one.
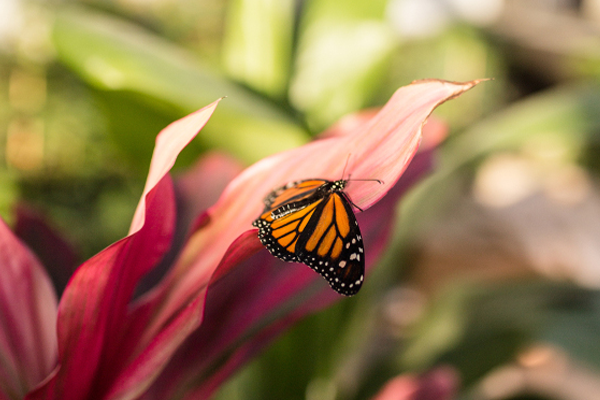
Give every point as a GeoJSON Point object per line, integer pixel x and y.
{"type": "Point", "coordinates": [292, 192]}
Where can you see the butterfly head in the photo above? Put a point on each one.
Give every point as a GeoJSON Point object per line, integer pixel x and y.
{"type": "Point", "coordinates": [337, 186]}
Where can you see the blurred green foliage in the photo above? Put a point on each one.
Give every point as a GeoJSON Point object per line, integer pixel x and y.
{"type": "Point", "coordinates": [85, 86]}
{"type": "Point", "coordinates": [257, 45]}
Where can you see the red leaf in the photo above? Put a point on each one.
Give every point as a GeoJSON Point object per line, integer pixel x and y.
{"type": "Point", "coordinates": [27, 318]}
{"type": "Point", "coordinates": [92, 316]}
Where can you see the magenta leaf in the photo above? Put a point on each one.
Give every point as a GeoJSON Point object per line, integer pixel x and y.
{"type": "Point", "coordinates": [195, 190]}
{"type": "Point", "coordinates": [28, 349]}
{"type": "Point", "coordinates": [92, 318]}
{"type": "Point", "coordinates": [55, 253]}
{"type": "Point", "coordinates": [93, 306]}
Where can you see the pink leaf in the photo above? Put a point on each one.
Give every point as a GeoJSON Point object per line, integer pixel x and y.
{"type": "Point", "coordinates": [380, 149]}
{"type": "Point", "coordinates": [403, 387]}
{"type": "Point", "coordinates": [438, 384]}
{"type": "Point", "coordinates": [27, 318]}
{"type": "Point", "coordinates": [169, 144]}
{"type": "Point", "coordinates": [251, 301]}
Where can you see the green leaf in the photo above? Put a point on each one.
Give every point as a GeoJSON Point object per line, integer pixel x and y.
{"type": "Point", "coordinates": [343, 54]}
{"type": "Point", "coordinates": [114, 55]}
{"type": "Point", "coordinates": [258, 43]}
{"type": "Point", "coordinates": [460, 53]}
{"type": "Point", "coordinates": [133, 125]}
{"type": "Point", "coordinates": [442, 328]}
{"type": "Point", "coordinates": [568, 114]}
{"type": "Point", "coordinates": [9, 194]}
{"type": "Point", "coordinates": [489, 324]}
{"type": "Point", "coordinates": [574, 323]}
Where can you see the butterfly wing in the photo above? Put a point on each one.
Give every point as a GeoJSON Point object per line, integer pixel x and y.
{"type": "Point", "coordinates": [280, 236]}
{"type": "Point", "coordinates": [291, 193]}
{"type": "Point", "coordinates": [332, 245]}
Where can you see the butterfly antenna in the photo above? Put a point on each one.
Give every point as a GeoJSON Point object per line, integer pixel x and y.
{"type": "Point", "coordinates": [368, 180]}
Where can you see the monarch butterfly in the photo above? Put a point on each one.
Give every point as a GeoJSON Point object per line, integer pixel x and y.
{"type": "Point", "coordinates": [311, 221]}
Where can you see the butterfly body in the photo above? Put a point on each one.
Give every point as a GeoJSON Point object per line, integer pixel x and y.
{"type": "Point", "coordinates": [312, 222]}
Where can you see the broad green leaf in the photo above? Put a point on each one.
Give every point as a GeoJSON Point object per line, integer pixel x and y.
{"type": "Point", "coordinates": [114, 55]}
{"type": "Point", "coordinates": [258, 43]}
{"type": "Point", "coordinates": [568, 114]}
{"type": "Point", "coordinates": [458, 54]}
{"type": "Point", "coordinates": [343, 53]}
{"type": "Point", "coordinates": [134, 121]}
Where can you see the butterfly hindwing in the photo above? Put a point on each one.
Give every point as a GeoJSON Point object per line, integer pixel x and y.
{"type": "Point", "coordinates": [332, 245]}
